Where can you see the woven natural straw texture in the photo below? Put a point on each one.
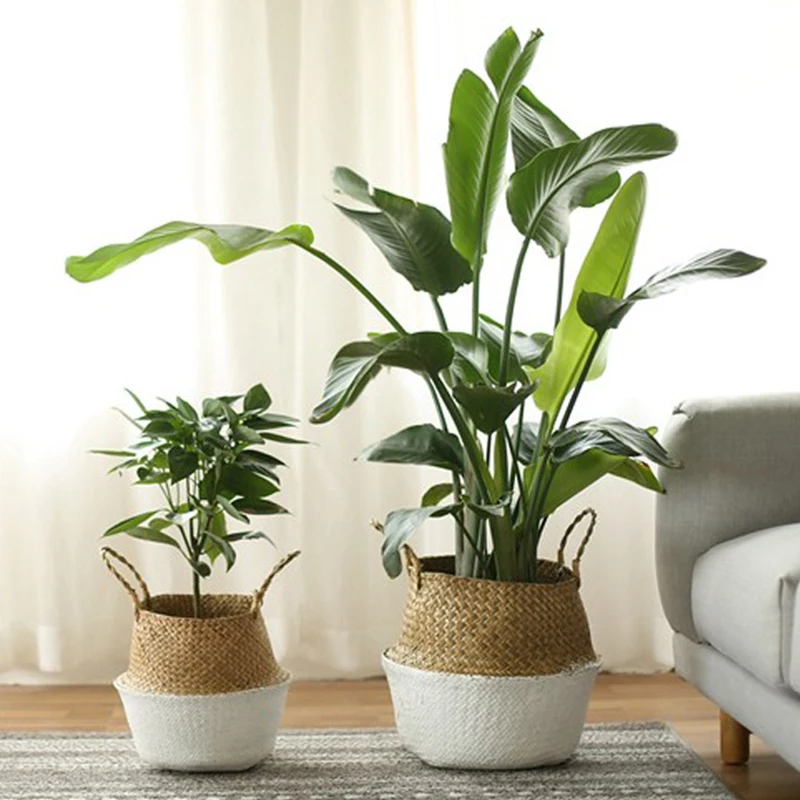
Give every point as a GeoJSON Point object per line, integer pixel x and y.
{"type": "Point", "coordinates": [225, 650]}
{"type": "Point", "coordinates": [470, 626]}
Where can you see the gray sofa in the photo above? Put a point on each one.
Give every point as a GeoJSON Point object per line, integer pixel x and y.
{"type": "Point", "coordinates": [728, 563]}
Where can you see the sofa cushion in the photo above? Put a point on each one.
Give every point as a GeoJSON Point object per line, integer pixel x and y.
{"type": "Point", "coordinates": [744, 602]}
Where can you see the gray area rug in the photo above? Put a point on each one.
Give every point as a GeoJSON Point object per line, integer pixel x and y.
{"type": "Point", "coordinates": [614, 762]}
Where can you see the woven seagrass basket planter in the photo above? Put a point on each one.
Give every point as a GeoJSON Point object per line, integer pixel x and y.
{"type": "Point", "coordinates": [489, 674]}
{"type": "Point", "coordinates": [201, 694]}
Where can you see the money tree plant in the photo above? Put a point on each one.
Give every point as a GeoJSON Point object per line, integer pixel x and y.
{"type": "Point", "coordinates": [212, 470]}
{"type": "Point", "coordinates": [503, 398]}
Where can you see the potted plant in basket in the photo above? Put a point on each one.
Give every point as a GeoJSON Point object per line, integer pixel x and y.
{"type": "Point", "coordinates": [495, 663]}
{"type": "Point", "coordinates": [203, 690]}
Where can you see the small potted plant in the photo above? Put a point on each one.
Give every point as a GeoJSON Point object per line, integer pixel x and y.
{"type": "Point", "coordinates": [203, 690]}
{"type": "Point", "coordinates": [495, 663]}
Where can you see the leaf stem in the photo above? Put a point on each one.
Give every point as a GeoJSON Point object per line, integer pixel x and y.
{"type": "Point", "coordinates": [437, 307]}
{"type": "Point", "coordinates": [581, 380]}
{"type": "Point", "coordinates": [505, 352]}
{"type": "Point", "coordinates": [356, 283]}
{"type": "Point", "coordinates": [560, 292]}
{"type": "Point", "coordinates": [482, 475]}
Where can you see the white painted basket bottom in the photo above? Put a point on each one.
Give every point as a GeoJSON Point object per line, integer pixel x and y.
{"type": "Point", "coordinates": [204, 733]}
{"type": "Point", "coordinates": [482, 722]}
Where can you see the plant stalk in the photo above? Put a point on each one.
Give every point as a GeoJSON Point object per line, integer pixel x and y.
{"type": "Point", "coordinates": [509, 321]}
{"type": "Point", "coordinates": [560, 293]}
{"type": "Point", "coordinates": [581, 380]}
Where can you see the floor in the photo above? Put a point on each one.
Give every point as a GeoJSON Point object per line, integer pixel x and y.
{"type": "Point", "coordinates": [616, 698]}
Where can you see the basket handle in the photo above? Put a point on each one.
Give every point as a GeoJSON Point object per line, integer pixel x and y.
{"type": "Point", "coordinates": [413, 567]}
{"type": "Point", "coordinates": [107, 554]}
{"type": "Point", "coordinates": [576, 562]}
{"type": "Point", "coordinates": [258, 595]}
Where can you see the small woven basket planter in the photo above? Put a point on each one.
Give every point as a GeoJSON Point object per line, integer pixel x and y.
{"type": "Point", "coordinates": [492, 674]}
{"type": "Point", "coordinates": [202, 693]}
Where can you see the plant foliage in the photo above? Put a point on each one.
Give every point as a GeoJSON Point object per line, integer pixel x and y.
{"type": "Point", "coordinates": [212, 470]}
{"type": "Point", "coordinates": [508, 472]}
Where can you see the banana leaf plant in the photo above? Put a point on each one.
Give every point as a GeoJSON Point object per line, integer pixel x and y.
{"type": "Point", "coordinates": [503, 398]}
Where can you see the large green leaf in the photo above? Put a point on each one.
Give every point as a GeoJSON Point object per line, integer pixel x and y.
{"type": "Point", "coordinates": [602, 312]}
{"type": "Point", "coordinates": [534, 127]}
{"type": "Point", "coordinates": [490, 406]}
{"type": "Point", "coordinates": [575, 475]}
{"type": "Point", "coordinates": [605, 270]}
{"type": "Point", "coordinates": [226, 243]}
{"type": "Point", "coordinates": [477, 139]}
{"type": "Point", "coordinates": [419, 444]}
{"type": "Point", "coordinates": [357, 363]}
{"type": "Point", "coordinates": [400, 525]}
{"type": "Point", "coordinates": [542, 194]}
{"type": "Point", "coordinates": [614, 436]}
{"type": "Point", "coordinates": [413, 237]}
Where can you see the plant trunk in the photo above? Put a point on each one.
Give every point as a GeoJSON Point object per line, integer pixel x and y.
{"type": "Point", "coordinates": [197, 603]}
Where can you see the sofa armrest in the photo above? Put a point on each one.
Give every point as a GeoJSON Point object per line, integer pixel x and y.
{"type": "Point", "coordinates": [741, 473]}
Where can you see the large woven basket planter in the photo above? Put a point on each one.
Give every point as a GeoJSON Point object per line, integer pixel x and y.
{"type": "Point", "coordinates": [489, 674]}
{"type": "Point", "coordinates": [201, 694]}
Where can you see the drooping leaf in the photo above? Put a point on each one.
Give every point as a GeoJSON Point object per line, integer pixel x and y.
{"type": "Point", "coordinates": [490, 406]}
{"type": "Point", "coordinates": [258, 507]}
{"type": "Point", "coordinates": [130, 523]}
{"type": "Point", "coordinates": [436, 493]}
{"type": "Point", "coordinates": [231, 509]}
{"type": "Point", "coordinates": [357, 363]}
{"type": "Point", "coordinates": [541, 194]}
{"type": "Point", "coordinates": [181, 517]}
{"type": "Point", "coordinates": [413, 237]}
{"type": "Point", "coordinates": [610, 435]}
{"type": "Point", "coordinates": [182, 463]}
{"type": "Point", "coordinates": [576, 474]}
{"type": "Point", "coordinates": [152, 535]}
{"type": "Point", "coordinates": [243, 433]}
{"type": "Point", "coordinates": [244, 482]}
{"type": "Point", "coordinates": [257, 458]}
{"type": "Point", "coordinates": [248, 535]}
{"type": "Point", "coordinates": [605, 269]}
{"type": "Point", "coordinates": [225, 243]}
{"type": "Point", "coordinates": [477, 139]}
{"type": "Point", "coordinates": [534, 127]}
{"type": "Point", "coordinates": [228, 553]}
{"type": "Point", "coordinates": [418, 444]}
{"type": "Point", "coordinates": [400, 525]}
{"type": "Point", "coordinates": [257, 398]}
{"type": "Point", "coordinates": [640, 473]}
{"type": "Point", "coordinates": [602, 312]}
{"type": "Point", "coordinates": [268, 422]}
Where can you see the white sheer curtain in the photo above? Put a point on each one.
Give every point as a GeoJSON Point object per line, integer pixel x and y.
{"type": "Point", "coordinates": [133, 114]}
{"type": "Point", "coordinates": [129, 114]}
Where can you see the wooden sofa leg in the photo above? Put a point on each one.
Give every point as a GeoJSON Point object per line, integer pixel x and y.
{"type": "Point", "coordinates": [734, 740]}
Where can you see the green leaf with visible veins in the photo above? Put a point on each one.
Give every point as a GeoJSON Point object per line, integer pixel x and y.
{"type": "Point", "coordinates": [226, 243]}
{"type": "Point", "coordinates": [605, 269]}
{"type": "Point", "coordinates": [475, 152]}
{"type": "Point", "coordinates": [419, 444]}
{"type": "Point", "coordinates": [413, 237]}
{"type": "Point", "coordinates": [542, 194]}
